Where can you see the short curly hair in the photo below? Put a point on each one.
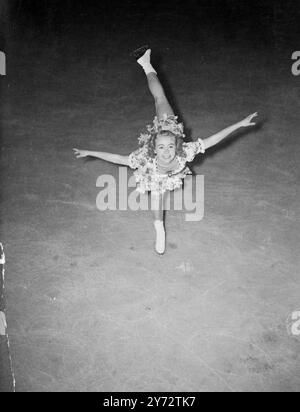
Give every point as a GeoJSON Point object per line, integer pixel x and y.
{"type": "Point", "coordinates": [167, 125]}
{"type": "Point", "coordinates": [152, 141]}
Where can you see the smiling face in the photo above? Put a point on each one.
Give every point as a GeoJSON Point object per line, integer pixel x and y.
{"type": "Point", "coordinates": [165, 146]}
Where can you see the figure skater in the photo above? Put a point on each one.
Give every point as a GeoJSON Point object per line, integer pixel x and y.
{"type": "Point", "coordinates": [160, 161]}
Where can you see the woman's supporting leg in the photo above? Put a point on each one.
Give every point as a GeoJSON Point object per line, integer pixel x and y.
{"type": "Point", "coordinates": [157, 205]}
{"type": "Point", "coordinates": [162, 105]}
{"type": "Point", "coordinates": [159, 213]}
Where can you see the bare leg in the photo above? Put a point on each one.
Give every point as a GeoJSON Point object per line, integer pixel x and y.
{"type": "Point", "coordinates": [159, 223]}
{"type": "Point", "coordinates": [158, 209]}
{"type": "Point", "coordinates": [162, 105]}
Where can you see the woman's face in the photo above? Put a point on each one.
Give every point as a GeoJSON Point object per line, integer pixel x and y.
{"type": "Point", "coordinates": [165, 146]}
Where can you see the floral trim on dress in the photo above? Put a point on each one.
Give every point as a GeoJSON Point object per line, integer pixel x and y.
{"type": "Point", "coordinates": [166, 123]}
{"type": "Point", "coordinates": [191, 149]}
{"type": "Point", "coordinates": [149, 179]}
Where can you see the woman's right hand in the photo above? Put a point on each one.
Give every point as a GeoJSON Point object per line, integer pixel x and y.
{"type": "Point", "coordinates": [81, 153]}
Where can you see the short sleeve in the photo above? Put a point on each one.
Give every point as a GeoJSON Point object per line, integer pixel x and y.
{"type": "Point", "coordinates": [191, 149]}
{"type": "Point", "coordinates": [137, 159]}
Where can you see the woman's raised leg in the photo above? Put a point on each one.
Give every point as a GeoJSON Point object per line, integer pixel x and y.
{"type": "Point", "coordinates": [162, 105]}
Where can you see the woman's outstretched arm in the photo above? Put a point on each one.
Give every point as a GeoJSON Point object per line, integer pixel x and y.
{"type": "Point", "coordinates": [216, 138]}
{"type": "Point", "coordinates": [109, 157]}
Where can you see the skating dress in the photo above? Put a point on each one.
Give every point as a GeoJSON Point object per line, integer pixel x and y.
{"type": "Point", "coordinates": [147, 175]}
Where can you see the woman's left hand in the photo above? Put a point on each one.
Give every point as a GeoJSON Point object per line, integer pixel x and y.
{"type": "Point", "coordinates": [248, 121]}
